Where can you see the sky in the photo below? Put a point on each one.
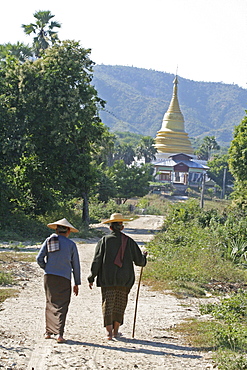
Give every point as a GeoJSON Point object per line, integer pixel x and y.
{"type": "Point", "coordinates": [200, 40]}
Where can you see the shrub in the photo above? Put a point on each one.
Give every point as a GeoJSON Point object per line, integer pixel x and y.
{"type": "Point", "coordinates": [152, 204]}
{"type": "Point", "coordinates": [190, 249]}
{"type": "Point", "coordinates": [5, 278]}
{"type": "Point", "coordinates": [101, 210]}
{"type": "Point", "coordinates": [232, 314]}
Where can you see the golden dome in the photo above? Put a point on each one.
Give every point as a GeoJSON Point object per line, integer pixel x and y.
{"type": "Point", "coordinates": [172, 138]}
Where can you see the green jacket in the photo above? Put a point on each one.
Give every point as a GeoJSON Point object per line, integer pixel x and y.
{"type": "Point", "coordinates": [108, 274]}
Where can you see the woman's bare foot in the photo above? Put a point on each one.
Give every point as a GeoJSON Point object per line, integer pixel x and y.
{"type": "Point", "coordinates": [115, 329]}
{"type": "Point", "coordinates": [60, 339]}
{"type": "Point", "coordinates": [117, 335]}
{"type": "Point", "coordinates": [109, 331]}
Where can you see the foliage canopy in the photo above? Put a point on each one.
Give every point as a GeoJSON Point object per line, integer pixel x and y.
{"type": "Point", "coordinates": [50, 123]}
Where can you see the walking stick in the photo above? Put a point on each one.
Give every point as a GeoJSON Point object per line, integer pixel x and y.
{"type": "Point", "coordinates": [137, 295]}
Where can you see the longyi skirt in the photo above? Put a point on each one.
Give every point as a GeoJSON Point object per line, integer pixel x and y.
{"type": "Point", "coordinates": [114, 302]}
{"type": "Point", "coordinates": [58, 293]}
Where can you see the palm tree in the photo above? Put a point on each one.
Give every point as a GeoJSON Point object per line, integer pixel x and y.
{"type": "Point", "coordinates": [209, 143]}
{"type": "Point", "coordinates": [19, 50]}
{"type": "Point", "coordinates": [125, 152]}
{"type": "Point", "coordinates": [43, 29]}
{"type": "Point", "coordinates": [146, 149]}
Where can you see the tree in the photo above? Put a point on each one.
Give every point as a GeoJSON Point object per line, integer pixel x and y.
{"type": "Point", "coordinates": [130, 181]}
{"type": "Point", "coordinates": [238, 163]}
{"type": "Point", "coordinates": [238, 152]}
{"type": "Point", "coordinates": [12, 135]}
{"type": "Point", "coordinates": [106, 186]}
{"type": "Point", "coordinates": [217, 165]}
{"type": "Point", "coordinates": [124, 152]}
{"type": "Point", "coordinates": [19, 50]}
{"type": "Point", "coordinates": [127, 137]}
{"type": "Point", "coordinates": [103, 152]}
{"type": "Point", "coordinates": [55, 111]}
{"type": "Point", "coordinates": [146, 149]}
{"type": "Point", "coordinates": [204, 151]}
{"type": "Point", "coordinates": [43, 29]}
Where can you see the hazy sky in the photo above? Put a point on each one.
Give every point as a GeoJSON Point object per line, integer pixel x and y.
{"type": "Point", "coordinates": [205, 39]}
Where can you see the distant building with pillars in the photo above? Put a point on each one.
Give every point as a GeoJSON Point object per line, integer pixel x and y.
{"type": "Point", "coordinates": [175, 162]}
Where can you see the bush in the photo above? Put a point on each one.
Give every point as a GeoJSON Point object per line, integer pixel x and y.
{"type": "Point", "coordinates": [230, 360]}
{"type": "Point", "coordinates": [5, 278]}
{"type": "Point", "coordinates": [230, 330]}
{"type": "Point", "coordinates": [190, 250]}
{"type": "Point", "coordinates": [20, 227]}
{"type": "Point", "coordinates": [152, 204]}
{"type": "Point", "coordinates": [101, 210]}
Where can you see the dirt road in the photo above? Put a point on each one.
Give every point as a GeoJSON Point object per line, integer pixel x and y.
{"type": "Point", "coordinates": [23, 347]}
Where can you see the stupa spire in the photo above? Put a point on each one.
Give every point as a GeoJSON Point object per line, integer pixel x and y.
{"type": "Point", "coordinates": [172, 138]}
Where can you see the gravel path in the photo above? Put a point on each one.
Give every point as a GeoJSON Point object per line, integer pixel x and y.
{"type": "Point", "coordinates": [23, 347]}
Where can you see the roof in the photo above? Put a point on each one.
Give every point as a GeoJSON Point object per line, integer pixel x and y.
{"type": "Point", "coordinates": [181, 155]}
{"type": "Point", "coordinates": [171, 162]}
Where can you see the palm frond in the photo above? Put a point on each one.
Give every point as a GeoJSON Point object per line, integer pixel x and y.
{"type": "Point", "coordinates": [54, 24]}
{"type": "Point", "coordinates": [29, 28]}
{"type": "Point", "coordinates": [43, 15]}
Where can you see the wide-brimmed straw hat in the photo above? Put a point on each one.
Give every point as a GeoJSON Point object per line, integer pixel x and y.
{"type": "Point", "coordinates": [62, 222]}
{"type": "Point", "coordinates": [116, 217]}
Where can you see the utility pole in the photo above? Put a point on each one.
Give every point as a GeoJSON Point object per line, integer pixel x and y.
{"type": "Point", "coordinates": [202, 191]}
{"type": "Point", "coordinates": [224, 184]}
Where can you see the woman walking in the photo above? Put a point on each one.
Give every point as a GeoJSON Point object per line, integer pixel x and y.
{"type": "Point", "coordinates": [59, 258]}
{"type": "Point", "coordinates": [113, 266]}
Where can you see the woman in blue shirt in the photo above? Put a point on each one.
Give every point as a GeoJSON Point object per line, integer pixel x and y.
{"type": "Point", "coordinates": [59, 259]}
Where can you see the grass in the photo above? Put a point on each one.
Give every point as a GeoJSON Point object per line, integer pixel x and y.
{"type": "Point", "coordinates": [152, 204]}
{"type": "Point", "coordinates": [8, 257]}
{"type": "Point", "coordinates": [188, 267]}
{"type": "Point", "coordinates": [197, 333]}
{"type": "Point", "coordinates": [7, 293]}
{"type": "Point", "coordinates": [192, 250]}
{"type": "Point", "coordinates": [211, 335]}
{"type": "Point", "coordinates": [218, 204]}
{"type": "Point", "coordinates": [193, 255]}
{"type": "Point", "coordinates": [6, 278]}
{"type": "Point", "coordinates": [230, 360]}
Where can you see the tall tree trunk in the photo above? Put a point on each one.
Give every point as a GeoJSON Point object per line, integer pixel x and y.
{"type": "Point", "coordinates": [85, 209]}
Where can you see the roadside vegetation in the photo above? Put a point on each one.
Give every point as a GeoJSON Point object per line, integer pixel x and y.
{"type": "Point", "coordinates": [203, 253]}
{"type": "Point", "coordinates": [10, 261]}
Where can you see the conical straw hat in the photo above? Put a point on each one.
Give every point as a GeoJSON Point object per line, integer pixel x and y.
{"type": "Point", "coordinates": [62, 222]}
{"type": "Point", "coordinates": [116, 217]}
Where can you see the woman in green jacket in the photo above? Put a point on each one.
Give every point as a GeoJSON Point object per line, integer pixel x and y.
{"type": "Point", "coordinates": [113, 266]}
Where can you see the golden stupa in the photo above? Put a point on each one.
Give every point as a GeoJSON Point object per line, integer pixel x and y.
{"type": "Point", "coordinates": [172, 138]}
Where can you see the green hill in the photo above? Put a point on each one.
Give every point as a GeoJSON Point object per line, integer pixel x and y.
{"type": "Point", "coordinates": [137, 100]}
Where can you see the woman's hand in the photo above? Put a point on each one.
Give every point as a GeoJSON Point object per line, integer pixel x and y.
{"type": "Point", "coordinates": [76, 290]}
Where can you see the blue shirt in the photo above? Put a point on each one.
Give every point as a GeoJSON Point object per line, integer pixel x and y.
{"type": "Point", "coordinates": [63, 262]}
